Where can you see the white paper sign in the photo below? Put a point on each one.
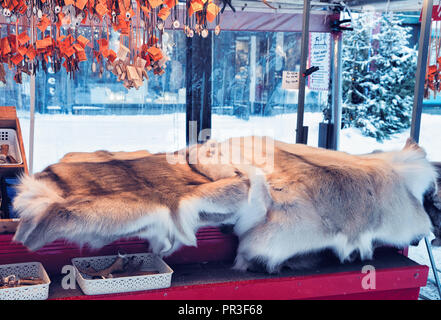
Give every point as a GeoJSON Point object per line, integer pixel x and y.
{"type": "Point", "coordinates": [320, 50]}
{"type": "Point", "coordinates": [290, 80]}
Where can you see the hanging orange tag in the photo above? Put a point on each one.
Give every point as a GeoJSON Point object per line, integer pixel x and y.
{"type": "Point", "coordinates": [68, 2]}
{"type": "Point", "coordinates": [16, 59]}
{"type": "Point", "coordinates": [164, 13]}
{"type": "Point", "coordinates": [145, 10]}
{"type": "Point", "coordinates": [81, 55]}
{"type": "Point", "coordinates": [101, 9]}
{"type": "Point", "coordinates": [69, 40]}
{"type": "Point", "coordinates": [23, 38]}
{"type": "Point", "coordinates": [78, 47]}
{"type": "Point", "coordinates": [6, 48]}
{"type": "Point", "coordinates": [82, 40]}
{"type": "Point", "coordinates": [122, 25]}
{"type": "Point", "coordinates": [79, 4]}
{"type": "Point", "coordinates": [12, 42]}
{"type": "Point", "coordinates": [31, 53]}
{"type": "Point", "coordinates": [432, 69]}
{"type": "Point", "coordinates": [155, 53]}
{"type": "Point", "coordinates": [111, 55]}
{"type": "Point", "coordinates": [63, 47]}
{"type": "Point", "coordinates": [103, 43]}
{"type": "Point", "coordinates": [44, 43]}
{"type": "Point", "coordinates": [69, 51]}
{"type": "Point", "coordinates": [23, 9]}
{"type": "Point", "coordinates": [105, 52]}
{"type": "Point", "coordinates": [212, 12]}
{"type": "Point", "coordinates": [44, 23]}
{"type": "Point", "coordinates": [170, 3]}
{"type": "Point", "coordinates": [194, 7]}
{"type": "Point", "coordinates": [155, 3]}
{"type": "Point", "coordinates": [22, 50]}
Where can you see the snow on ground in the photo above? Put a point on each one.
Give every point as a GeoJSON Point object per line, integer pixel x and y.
{"type": "Point", "coordinates": [56, 135]}
{"type": "Point", "coordinates": [282, 127]}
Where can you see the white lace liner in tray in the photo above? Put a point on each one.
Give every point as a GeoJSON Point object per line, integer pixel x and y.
{"type": "Point", "coordinates": [22, 270]}
{"type": "Point", "coordinates": [151, 262]}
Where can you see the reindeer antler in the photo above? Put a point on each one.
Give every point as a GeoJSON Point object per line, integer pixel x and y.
{"type": "Point", "coordinates": [122, 266]}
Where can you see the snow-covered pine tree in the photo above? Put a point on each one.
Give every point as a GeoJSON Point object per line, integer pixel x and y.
{"type": "Point", "coordinates": [379, 102]}
{"type": "Point", "coordinates": [356, 75]}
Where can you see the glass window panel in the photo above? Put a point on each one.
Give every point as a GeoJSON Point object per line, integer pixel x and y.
{"type": "Point", "coordinates": [92, 112]}
{"type": "Point", "coordinates": [14, 94]}
{"type": "Point", "coordinates": [379, 63]}
{"type": "Point", "coordinates": [431, 117]}
{"type": "Point", "coordinates": [248, 98]}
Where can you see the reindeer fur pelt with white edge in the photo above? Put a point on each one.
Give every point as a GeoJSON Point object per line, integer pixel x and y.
{"type": "Point", "coordinates": [284, 200]}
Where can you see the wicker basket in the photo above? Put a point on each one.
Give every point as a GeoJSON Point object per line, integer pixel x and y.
{"type": "Point", "coordinates": [21, 270]}
{"type": "Point", "coordinates": [150, 261]}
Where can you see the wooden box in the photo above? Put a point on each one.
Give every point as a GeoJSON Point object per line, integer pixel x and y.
{"type": "Point", "coordinates": [9, 120]}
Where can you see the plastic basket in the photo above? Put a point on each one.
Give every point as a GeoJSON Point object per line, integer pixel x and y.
{"type": "Point", "coordinates": [21, 270]}
{"type": "Point", "coordinates": [124, 284]}
{"type": "Point", "coordinates": [9, 136]}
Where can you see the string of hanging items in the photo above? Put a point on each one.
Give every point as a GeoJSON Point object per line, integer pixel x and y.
{"type": "Point", "coordinates": [43, 33]}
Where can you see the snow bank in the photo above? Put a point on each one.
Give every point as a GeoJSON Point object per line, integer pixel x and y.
{"type": "Point", "coordinates": [56, 135]}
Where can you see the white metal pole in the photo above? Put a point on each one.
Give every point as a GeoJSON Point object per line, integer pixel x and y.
{"type": "Point", "coordinates": [336, 88]}
{"type": "Point", "coordinates": [32, 108]}
{"type": "Point", "coordinates": [423, 50]}
{"type": "Point", "coordinates": [32, 125]}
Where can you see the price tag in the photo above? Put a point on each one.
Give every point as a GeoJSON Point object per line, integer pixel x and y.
{"type": "Point", "coordinates": [290, 80]}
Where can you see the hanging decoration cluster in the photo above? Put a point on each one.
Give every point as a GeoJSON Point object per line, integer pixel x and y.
{"type": "Point", "coordinates": [433, 74]}
{"type": "Point", "coordinates": [51, 35]}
